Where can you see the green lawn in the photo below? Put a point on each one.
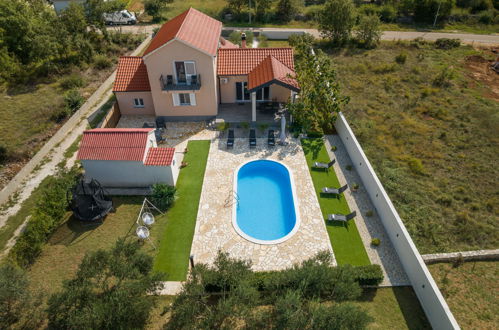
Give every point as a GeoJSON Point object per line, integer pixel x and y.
{"type": "Point", "coordinates": [176, 239]}
{"type": "Point", "coordinates": [345, 238]}
{"type": "Point", "coordinates": [65, 249]}
{"type": "Point", "coordinates": [393, 308]}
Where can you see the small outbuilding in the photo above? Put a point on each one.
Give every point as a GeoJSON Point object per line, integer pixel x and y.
{"type": "Point", "coordinates": [126, 158]}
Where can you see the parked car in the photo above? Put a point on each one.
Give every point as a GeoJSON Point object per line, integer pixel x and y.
{"type": "Point", "coordinates": [120, 17]}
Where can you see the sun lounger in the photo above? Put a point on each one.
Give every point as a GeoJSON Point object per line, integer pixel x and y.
{"type": "Point", "coordinates": [341, 217]}
{"type": "Point", "coordinates": [252, 138]}
{"type": "Point", "coordinates": [325, 166]}
{"type": "Point", "coordinates": [271, 139]}
{"type": "Point", "coordinates": [334, 191]}
{"type": "Point", "coordinates": [230, 139]}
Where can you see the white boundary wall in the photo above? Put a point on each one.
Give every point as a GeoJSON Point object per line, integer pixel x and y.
{"type": "Point", "coordinates": [432, 301]}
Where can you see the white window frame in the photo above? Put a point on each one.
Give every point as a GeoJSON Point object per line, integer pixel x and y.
{"type": "Point", "coordinates": [188, 77]}
{"type": "Point", "coordinates": [176, 100]}
{"type": "Point", "coordinates": [138, 102]}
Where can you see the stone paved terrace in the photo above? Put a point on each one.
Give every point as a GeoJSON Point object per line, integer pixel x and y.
{"type": "Point", "coordinates": [214, 228]}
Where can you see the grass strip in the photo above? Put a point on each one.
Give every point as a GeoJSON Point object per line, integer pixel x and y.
{"type": "Point", "coordinates": [175, 243]}
{"type": "Point", "coordinates": [345, 239]}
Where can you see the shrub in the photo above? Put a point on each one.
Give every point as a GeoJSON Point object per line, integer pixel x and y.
{"type": "Point", "coordinates": [223, 126]}
{"type": "Point", "coordinates": [263, 42]}
{"type": "Point", "coordinates": [401, 58]}
{"type": "Point", "coordinates": [235, 38]}
{"type": "Point", "coordinates": [163, 196]}
{"type": "Point", "coordinates": [376, 241]}
{"type": "Point", "coordinates": [487, 17]}
{"type": "Point", "coordinates": [245, 125]}
{"type": "Point", "coordinates": [349, 167]}
{"type": "Point", "coordinates": [314, 134]}
{"type": "Point", "coordinates": [72, 81]}
{"type": "Point", "coordinates": [60, 114]}
{"type": "Point", "coordinates": [480, 5]}
{"type": "Point", "coordinates": [73, 100]}
{"type": "Point", "coordinates": [368, 31]}
{"type": "Point", "coordinates": [286, 10]}
{"type": "Point", "coordinates": [444, 78]}
{"type": "Point", "coordinates": [388, 13]}
{"type": "Point", "coordinates": [416, 165]}
{"type": "Point", "coordinates": [334, 148]}
{"type": "Point", "coordinates": [4, 155]}
{"type": "Point", "coordinates": [425, 10]}
{"type": "Point", "coordinates": [102, 62]}
{"type": "Point", "coordinates": [154, 8]}
{"type": "Point", "coordinates": [355, 186]}
{"type": "Point", "coordinates": [368, 275]}
{"type": "Point", "coordinates": [46, 216]}
{"type": "Point", "coordinates": [446, 43]}
{"type": "Point", "coordinates": [369, 213]}
{"type": "Point", "coordinates": [384, 68]}
{"type": "Point", "coordinates": [337, 20]}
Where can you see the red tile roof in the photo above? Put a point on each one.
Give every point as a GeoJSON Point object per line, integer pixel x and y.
{"type": "Point", "coordinates": [192, 27]}
{"type": "Point", "coordinates": [131, 75]}
{"type": "Point", "coordinates": [240, 61]}
{"type": "Point", "coordinates": [271, 70]}
{"type": "Point", "coordinates": [224, 43]}
{"type": "Point", "coordinates": [159, 156]}
{"type": "Point", "coordinates": [114, 144]}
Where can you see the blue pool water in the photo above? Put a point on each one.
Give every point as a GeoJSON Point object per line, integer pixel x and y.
{"type": "Point", "coordinates": [266, 209]}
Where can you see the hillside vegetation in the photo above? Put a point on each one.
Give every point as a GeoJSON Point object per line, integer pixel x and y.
{"type": "Point", "coordinates": [428, 119]}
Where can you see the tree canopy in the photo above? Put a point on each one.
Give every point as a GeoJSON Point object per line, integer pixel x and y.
{"type": "Point", "coordinates": [337, 19]}
{"type": "Point", "coordinates": [110, 291]}
{"type": "Point", "coordinates": [320, 97]}
{"type": "Point", "coordinates": [310, 295]}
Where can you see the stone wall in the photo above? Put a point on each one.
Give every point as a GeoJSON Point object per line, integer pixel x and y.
{"type": "Point", "coordinates": [432, 301]}
{"type": "Point", "coordinates": [479, 255]}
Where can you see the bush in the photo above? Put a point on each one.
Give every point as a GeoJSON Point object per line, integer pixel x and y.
{"type": "Point", "coordinates": [487, 17]}
{"type": "Point", "coordinates": [4, 155]}
{"type": "Point", "coordinates": [480, 5]}
{"type": "Point", "coordinates": [163, 196]}
{"type": "Point", "coordinates": [416, 165]}
{"type": "Point", "coordinates": [369, 31]}
{"type": "Point", "coordinates": [401, 58]}
{"type": "Point", "coordinates": [446, 43]}
{"type": "Point", "coordinates": [425, 10]}
{"type": "Point", "coordinates": [376, 241]}
{"type": "Point", "coordinates": [102, 62]}
{"type": "Point", "coordinates": [72, 81]}
{"type": "Point", "coordinates": [286, 10]}
{"type": "Point", "coordinates": [262, 41]}
{"type": "Point", "coordinates": [368, 275]}
{"type": "Point", "coordinates": [235, 38]}
{"type": "Point", "coordinates": [73, 100]}
{"type": "Point", "coordinates": [337, 20]}
{"type": "Point", "coordinates": [444, 78]}
{"type": "Point", "coordinates": [154, 8]}
{"type": "Point", "coordinates": [388, 13]}
{"type": "Point", "coordinates": [46, 216]}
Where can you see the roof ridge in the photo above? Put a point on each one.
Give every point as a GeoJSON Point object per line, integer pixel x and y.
{"type": "Point", "coordinates": [189, 11]}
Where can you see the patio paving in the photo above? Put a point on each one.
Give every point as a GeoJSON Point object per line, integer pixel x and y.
{"type": "Point", "coordinates": [214, 228]}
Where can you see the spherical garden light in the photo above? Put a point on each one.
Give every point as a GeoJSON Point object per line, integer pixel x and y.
{"type": "Point", "coordinates": [142, 232]}
{"type": "Point", "coordinates": [147, 218]}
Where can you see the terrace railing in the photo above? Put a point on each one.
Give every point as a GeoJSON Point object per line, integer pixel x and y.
{"type": "Point", "coordinates": [191, 84]}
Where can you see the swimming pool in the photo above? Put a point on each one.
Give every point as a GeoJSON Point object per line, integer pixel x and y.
{"type": "Point", "coordinates": [265, 211]}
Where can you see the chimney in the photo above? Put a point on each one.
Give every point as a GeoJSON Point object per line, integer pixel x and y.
{"type": "Point", "coordinates": [243, 40]}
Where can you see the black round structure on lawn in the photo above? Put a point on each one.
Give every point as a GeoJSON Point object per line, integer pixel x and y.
{"type": "Point", "coordinates": [88, 201]}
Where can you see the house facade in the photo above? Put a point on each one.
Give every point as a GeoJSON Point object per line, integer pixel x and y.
{"type": "Point", "coordinates": [189, 70]}
{"type": "Point", "coordinates": [126, 158]}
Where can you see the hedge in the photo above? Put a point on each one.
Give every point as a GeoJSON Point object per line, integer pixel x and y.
{"type": "Point", "coordinates": [46, 216]}
{"type": "Point", "coordinates": [271, 281]}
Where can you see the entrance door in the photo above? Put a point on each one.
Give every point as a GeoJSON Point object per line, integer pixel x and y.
{"type": "Point", "coordinates": [242, 93]}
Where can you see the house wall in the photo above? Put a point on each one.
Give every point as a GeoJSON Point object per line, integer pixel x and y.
{"type": "Point", "coordinates": [125, 102]}
{"type": "Point", "coordinates": [161, 62]}
{"type": "Point", "coordinates": [432, 301]}
{"type": "Point", "coordinates": [129, 174]}
{"type": "Point", "coordinates": [228, 90]}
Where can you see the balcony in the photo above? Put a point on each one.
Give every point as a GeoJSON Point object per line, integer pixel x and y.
{"type": "Point", "coordinates": [192, 84]}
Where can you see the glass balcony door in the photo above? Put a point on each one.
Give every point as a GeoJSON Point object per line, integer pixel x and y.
{"type": "Point", "coordinates": [184, 71]}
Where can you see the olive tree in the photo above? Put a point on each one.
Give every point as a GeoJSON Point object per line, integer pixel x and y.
{"type": "Point", "coordinates": [337, 19]}
{"type": "Point", "coordinates": [111, 290]}
{"type": "Point", "coordinates": [368, 32]}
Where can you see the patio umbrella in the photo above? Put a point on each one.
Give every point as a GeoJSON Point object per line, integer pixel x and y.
{"type": "Point", "coordinates": [283, 128]}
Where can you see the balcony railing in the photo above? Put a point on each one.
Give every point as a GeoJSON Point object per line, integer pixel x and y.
{"type": "Point", "coordinates": [192, 84]}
